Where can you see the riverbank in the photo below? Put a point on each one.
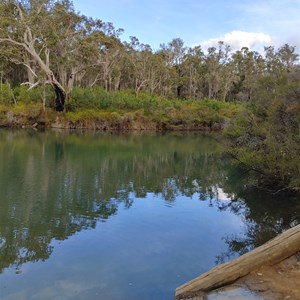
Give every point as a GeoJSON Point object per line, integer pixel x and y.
{"type": "Point", "coordinates": [277, 282]}
{"type": "Point", "coordinates": [271, 271]}
{"type": "Point", "coordinates": [202, 115]}
{"type": "Point", "coordinates": [280, 281]}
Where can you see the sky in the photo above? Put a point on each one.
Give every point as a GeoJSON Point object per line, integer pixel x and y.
{"type": "Point", "coordinates": [239, 23]}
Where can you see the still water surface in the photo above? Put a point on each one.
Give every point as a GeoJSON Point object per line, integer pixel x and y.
{"type": "Point", "coordinates": [122, 216]}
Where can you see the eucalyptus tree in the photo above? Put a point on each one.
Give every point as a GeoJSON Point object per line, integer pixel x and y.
{"type": "Point", "coordinates": [158, 74]}
{"type": "Point", "coordinates": [279, 64]}
{"type": "Point", "coordinates": [219, 71]}
{"type": "Point", "coordinates": [174, 53]}
{"type": "Point", "coordinates": [142, 66]}
{"type": "Point", "coordinates": [23, 27]}
{"type": "Point", "coordinates": [110, 55]}
{"type": "Point", "coordinates": [288, 57]}
{"type": "Point", "coordinates": [73, 41]}
{"type": "Point", "coordinates": [106, 69]}
{"type": "Point", "coordinates": [192, 68]}
{"type": "Point", "coordinates": [249, 67]}
{"type": "Point", "coordinates": [137, 65]}
{"type": "Point", "coordinates": [51, 40]}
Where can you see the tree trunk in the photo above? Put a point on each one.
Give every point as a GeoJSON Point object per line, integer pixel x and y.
{"type": "Point", "coordinates": [60, 97]}
{"type": "Point", "coordinates": [30, 76]}
{"type": "Point", "coordinates": [274, 251]}
{"type": "Point", "coordinates": [58, 88]}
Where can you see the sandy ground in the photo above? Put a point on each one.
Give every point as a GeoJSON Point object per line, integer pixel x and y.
{"type": "Point", "coordinates": [278, 282]}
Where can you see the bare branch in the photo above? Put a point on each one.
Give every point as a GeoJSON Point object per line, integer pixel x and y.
{"type": "Point", "coordinates": [42, 49]}
{"type": "Point", "coordinates": [40, 8]}
{"type": "Point", "coordinates": [94, 82]}
{"type": "Point", "coordinates": [30, 39]}
{"type": "Point", "coordinates": [24, 64]}
{"type": "Point", "coordinates": [20, 11]}
{"type": "Point", "coordinates": [10, 40]}
{"type": "Point", "coordinates": [31, 85]}
{"type": "Point", "coordinates": [47, 54]}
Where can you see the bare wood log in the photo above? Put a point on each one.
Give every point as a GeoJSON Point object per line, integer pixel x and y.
{"type": "Point", "coordinates": [274, 251]}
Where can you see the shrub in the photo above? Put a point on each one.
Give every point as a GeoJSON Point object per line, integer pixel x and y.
{"type": "Point", "coordinates": [6, 94]}
{"type": "Point", "coordinates": [88, 98]}
{"type": "Point", "coordinates": [34, 95]}
{"type": "Point", "coordinates": [265, 139]}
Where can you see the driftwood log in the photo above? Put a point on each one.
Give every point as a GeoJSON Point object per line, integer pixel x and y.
{"type": "Point", "coordinates": [274, 251]}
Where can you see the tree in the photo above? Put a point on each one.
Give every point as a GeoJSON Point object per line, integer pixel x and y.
{"type": "Point", "coordinates": [249, 67]}
{"type": "Point", "coordinates": [174, 53]}
{"type": "Point", "coordinates": [266, 136]}
{"type": "Point", "coordinates": [219, 71]}
{"type": "Point", "coordinates": [140, 57]}
{"type": "Point", "coordinates": [193, 70]}
{"type": "Point", "coordinates": [21, 29]}
{"type": "Point", "coordinates": [50, 40]}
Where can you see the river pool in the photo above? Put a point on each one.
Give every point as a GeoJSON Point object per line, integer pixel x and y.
{"type": "Point", "coordinates": [123, 216]}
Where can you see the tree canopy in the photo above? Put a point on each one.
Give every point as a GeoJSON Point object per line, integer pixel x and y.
{"type": "Point", "coordinates": [46, 41]}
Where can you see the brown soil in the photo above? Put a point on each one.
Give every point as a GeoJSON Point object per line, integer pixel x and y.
{"type": "Point", "coordinates": [281, 281]}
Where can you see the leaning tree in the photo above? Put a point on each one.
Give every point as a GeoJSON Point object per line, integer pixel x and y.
{"type": "Point", "coordinates": [50, 39]}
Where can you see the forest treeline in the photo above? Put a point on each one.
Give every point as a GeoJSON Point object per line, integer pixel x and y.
{"type": "Point", "coordinates": [53, 55]}
{"type": "Point", "coordinates": [43, 41]}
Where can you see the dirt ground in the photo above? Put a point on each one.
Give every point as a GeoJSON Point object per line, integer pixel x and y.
{"type": "Point", "coordinates": [278, 282]}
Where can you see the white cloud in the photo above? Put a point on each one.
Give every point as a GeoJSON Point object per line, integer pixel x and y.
{"type": "Point", "coordinates": [278, 18]}
{"type": "Point", "coordinates": [238, 39]}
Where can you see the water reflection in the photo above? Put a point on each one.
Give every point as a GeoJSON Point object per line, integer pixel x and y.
{"type": "Point", "coordinates": [56, 184]}
{"type": "Point", "coordinates": [265, 216]}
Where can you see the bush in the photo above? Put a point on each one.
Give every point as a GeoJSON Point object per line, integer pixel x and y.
{"type": "Point", "coordinates": [92, 115]}
{"type": "Point", "coordinates": [34, 95]}
{"type": "Point", "coordinates": [265, 139]}
{"type": "Point", "coordinates": [6, 94]}
{"type": "Point", "coordinates": [88, 98]}
{"type": "Point", "coordinates": [84, 103]}
{"type": "Point", "coordinates": [97, 98]}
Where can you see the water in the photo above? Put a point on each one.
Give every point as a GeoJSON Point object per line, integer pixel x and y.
{"type": "Point", "coordinates": [123, 216]}
{"type": "Point", "coordinates": [233, 293]}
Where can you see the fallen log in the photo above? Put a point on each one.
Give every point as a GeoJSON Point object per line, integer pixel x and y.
{"type": "Point", "coordinates": [274, 251]}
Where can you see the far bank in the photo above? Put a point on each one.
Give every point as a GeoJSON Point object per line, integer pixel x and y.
{"type": "Point", "coordinates": [123, 113]}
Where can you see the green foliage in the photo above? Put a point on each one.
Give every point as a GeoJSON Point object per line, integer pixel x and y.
{"type": "Point", "coordinates": [28, 111]}
{"type": "Point", "coordinates": [92, 115]}
{"type": "Point", "coordinates": [90, 104]}
{"type": "Point", "coordinates": [22, 114]}
{"type": "Point", "coordinates": [6, 94]}
{"type": "Point", "coordinates": [98, 98]}
{"type": "Point", "coordinates": [265, 139]}
{"type": "Point", "coordinates": [24, 95]}
{"type": "Point", "coordinates": [34, 95]}
{"type": "Point", "coordinates": [87, 52]}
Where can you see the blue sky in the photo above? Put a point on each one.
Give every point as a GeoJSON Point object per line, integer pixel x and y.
{"type": "Point", "coordinates": [239, 23]}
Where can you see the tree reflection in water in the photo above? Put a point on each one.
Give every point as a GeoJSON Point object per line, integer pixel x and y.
{"type": "Point", "coordinates": [54, 184]}
{"type": "Point", "coordinates": [265, 215]}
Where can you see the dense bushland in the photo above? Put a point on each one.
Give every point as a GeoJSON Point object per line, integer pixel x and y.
{"type": "Point", "coordinates": [99, 109]}
{"type": "Point", "coordinates": [265, 137]}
